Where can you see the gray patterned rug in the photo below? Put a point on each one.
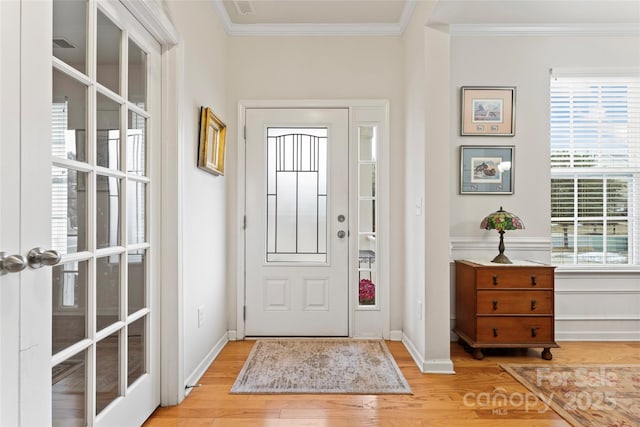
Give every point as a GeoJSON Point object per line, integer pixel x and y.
{"type": "Point", "coordinates": [320, 366]}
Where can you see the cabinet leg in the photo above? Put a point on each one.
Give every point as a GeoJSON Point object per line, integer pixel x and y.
{"type": "Point", "coordinates": [477, 354]}
{"type": "Point", "coordinates": [546, 354]}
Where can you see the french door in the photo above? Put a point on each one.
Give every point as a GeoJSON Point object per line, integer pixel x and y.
{"type": "Point", "coordinates": [81, 148]}
{"type": "Point", "coordinates": [297, 216]}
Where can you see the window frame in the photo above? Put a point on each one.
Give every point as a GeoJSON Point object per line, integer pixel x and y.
{"type": "Point", "coordinates": [603, 169]}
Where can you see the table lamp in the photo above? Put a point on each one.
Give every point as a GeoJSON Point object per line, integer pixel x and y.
{"type": "Point", "coordinates": [501, 220]}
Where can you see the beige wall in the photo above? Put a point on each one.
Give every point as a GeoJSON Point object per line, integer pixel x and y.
{"type": "Point", "coordinates": [523, 62]}
{"type": "Point", "coordinates": [280, 68]}
{"type": "Point", "coordinates": [203, 48]}
{"type": "Point", "coordinates": [426, 285]}
{"type": "Point", "coordinates": [589, 305]}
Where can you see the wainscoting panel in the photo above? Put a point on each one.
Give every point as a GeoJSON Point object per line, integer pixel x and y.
{"type": "Point", "coordinates": [591, 305]}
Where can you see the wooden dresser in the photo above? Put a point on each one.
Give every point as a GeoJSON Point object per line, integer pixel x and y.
{"type": "Point", "coordinates": [505, 305]}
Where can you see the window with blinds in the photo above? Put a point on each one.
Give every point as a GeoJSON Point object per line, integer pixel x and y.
{"type": "Point", "coordinates": [595, 170]}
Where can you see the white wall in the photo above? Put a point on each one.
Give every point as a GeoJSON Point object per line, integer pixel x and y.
{"type": "Point", "coordinates": [591, 306]}
{"type": "Point", "coordinates": [279, 68]}
{"type": "Point", "coordinates": [203, 48]}
{"type": "Point", "coordinates": [414, 184]}
{"type": "Point", "coordinates": [426, 296]}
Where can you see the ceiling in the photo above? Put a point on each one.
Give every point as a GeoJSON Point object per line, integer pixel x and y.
{"type": "Point", "coordinates": [390, 17]}
{"type": "Point", "coordinates": [314, 11]}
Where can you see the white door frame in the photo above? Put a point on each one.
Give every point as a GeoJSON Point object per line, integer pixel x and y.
{"type": "Point", "coordinates": [361, 112]}
{"type": "Point", "coordinates": [154, 18]}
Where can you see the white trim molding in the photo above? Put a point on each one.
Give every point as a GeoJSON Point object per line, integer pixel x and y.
{"type": "Point", "coordinates": [202, 367]}
{"type": "Point", "coordinates": [491, 243]}
{"type": "Point", "coordinates": [153, 17]}
{"type": "Point", "coordinates": [431, 366]}
{"type": "Point", "coordinates": [486, 247]}
{"type": "Point", "coordinates": [361, 112]}
{"type": "Point", "coordinates": [567, 30]}
{"type": "Point", "coordinates": [597, 305]}
{"type": "Point", "coordinates": [395, 335]}
{"type": "Point", "coordinates": [381, 29]}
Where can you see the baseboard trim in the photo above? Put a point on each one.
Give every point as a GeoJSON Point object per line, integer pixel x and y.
{"type": "Point", "coordinates": [204, 365]}
{"type": "Point", "coordinates": [233, 335]}
{"type": "Point", "coordinates": [597, 335]}
{"type": "Point", "coordinates": [432, 366]}
{"type": "Point", "coordinates": [438, 366]}
{"type": "Point", "coordinates": [395, 336]}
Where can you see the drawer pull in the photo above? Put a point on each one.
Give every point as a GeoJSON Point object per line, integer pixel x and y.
{"type": "Point", "coordinates": [495, 279]}
{"type": "Point", "coordinates": [495, 304]}
{"type": "Point", "coordinates": [533, 305]}
{"type": "Point", "coordinates": [533, 280]}
{"type": "Point", "coordinates": [534, 332]}
{"type": "Point", "coordinates": [495, 332]}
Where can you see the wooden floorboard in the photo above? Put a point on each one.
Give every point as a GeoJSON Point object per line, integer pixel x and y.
{"type": "Point", "coordinates": [437, 400]}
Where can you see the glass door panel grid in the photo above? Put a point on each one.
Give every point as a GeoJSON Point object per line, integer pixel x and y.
{"type": "Point", "coordinates": [296, 194]}
{"type": "Point", "coordinates": [97, 173]}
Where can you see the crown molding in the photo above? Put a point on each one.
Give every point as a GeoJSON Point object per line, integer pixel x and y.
{"type": "Point", "coordinates": [153, 17]}
{"type": "Point", "coordinates": [382, 29]}
{"type": "Point", "coordinates": [630, 29]}
{"type": "Point", "coordinates": [314, 30]}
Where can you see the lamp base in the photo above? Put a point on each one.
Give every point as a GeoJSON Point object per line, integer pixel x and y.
{"type": "Point", "coordinates": [501, 259]}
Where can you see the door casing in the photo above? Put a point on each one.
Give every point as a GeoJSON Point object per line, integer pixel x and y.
{"type": "Point", "coordinates": [363, 322]}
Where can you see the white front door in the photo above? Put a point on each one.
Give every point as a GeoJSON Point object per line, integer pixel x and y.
{"type": "Point", "coordinates": [297, 216]}
{"type": "Point", "coordinates": [80, 147]}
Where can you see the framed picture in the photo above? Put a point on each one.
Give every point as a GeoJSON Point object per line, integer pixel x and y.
{"type": "Point", "coordinates": [486, 170]}
{"type": "Point", "coordinates": [212, 142]}
{"type": "Point", "coordinates": [488, 111]}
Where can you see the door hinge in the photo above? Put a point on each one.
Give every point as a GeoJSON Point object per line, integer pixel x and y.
{"type": "Point", "coordinates": [244, 312]}
{"type": "Point", "coordinates": [244, 132]}
{"type": "Point", "coordinates": [244, 223]}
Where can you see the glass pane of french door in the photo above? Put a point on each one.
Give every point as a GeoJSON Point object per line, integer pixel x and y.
{"type": "Point", "coordinates": [100, 182]}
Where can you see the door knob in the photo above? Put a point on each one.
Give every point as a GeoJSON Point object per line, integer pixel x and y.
{"type": "Point", "coordinates": [341, 234]}
{"type": "Point", "coordinates": [12, 263]}
{"type": "Point", "coordinates": [39, 257]}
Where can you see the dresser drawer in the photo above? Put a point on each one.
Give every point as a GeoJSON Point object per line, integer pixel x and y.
{"type": "Point", "coordinates": [514, 278]}
{"type": "Point", "coordinates": [515, 302]}
{"type": "Point", "coordinates": [505, 330]}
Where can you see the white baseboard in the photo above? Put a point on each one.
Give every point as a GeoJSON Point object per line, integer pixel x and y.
{"type": "Point", "coordinates": [432, 366]}
{"type": "Point", "coordinates": [413, 351]}
{"type": "Point", "coordinates": [438, 366]}
{"type": "Point", "coordinates": [395, 336]}
{"type": "Point", "coordinates": [202, 367]}
{"type": "Point", "coordinates": [597, 335]}
{"type": "Point", "coordinates": [233, 335]}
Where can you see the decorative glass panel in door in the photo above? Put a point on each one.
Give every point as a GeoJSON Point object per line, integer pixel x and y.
{"type": "Point", "coordinates": [297, 195]}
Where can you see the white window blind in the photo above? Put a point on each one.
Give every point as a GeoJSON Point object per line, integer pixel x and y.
{"type": "Point", "coordinates": [595, 169]}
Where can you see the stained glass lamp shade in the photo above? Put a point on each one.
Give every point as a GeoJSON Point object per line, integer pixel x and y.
{"type": "Point", "coordinates": [501, 220]}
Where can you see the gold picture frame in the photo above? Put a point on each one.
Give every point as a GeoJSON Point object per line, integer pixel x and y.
{"type": "Point", "coordinates": [488, 111]}
{"type": "Point", "coordinates": [211, 148]}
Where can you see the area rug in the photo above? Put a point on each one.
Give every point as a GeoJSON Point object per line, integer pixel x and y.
{"type": "Point", "coordinates": [320, 366]}
{"type": "Point", "coordinates": [585, 395]}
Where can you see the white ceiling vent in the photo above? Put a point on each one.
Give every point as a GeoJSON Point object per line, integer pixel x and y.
{"type": "Point", "coordinates": [244, 7]}
{"type": "Point", "coordinates": [62, 43]}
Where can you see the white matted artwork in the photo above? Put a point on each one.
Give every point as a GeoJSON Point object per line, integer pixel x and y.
{"type": "Point", "coordinates": [487, 111]}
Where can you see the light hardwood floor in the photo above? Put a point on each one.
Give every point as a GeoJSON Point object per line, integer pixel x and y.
{"type": "Point", "coordinates": [437, 400]}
